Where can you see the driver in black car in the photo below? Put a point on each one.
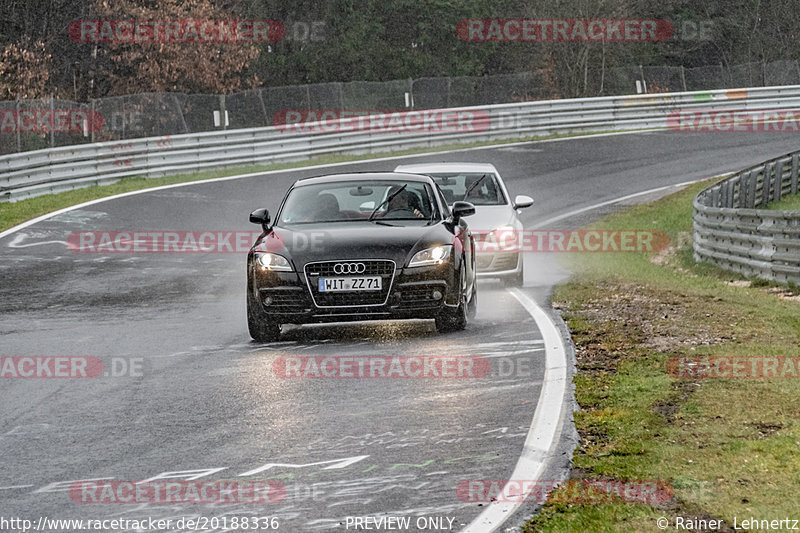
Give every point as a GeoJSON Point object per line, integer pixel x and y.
{"type": "Point", "coordinates": [401, 205]}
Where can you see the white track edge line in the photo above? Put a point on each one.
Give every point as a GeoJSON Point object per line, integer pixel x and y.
{"type": "Point", "coordinates": [543, 435]}
{"type": "Point", "coordinates": [553, 389]}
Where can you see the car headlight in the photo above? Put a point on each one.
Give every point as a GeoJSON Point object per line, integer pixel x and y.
{"type": "Point", "coordinates": [273, 262]}
{"type": "Point", "coordinates": [431, 256]}
{"type": "Point", "coordinates": [506, 238]}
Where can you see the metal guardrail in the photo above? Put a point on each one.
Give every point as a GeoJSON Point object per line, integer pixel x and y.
{"type": "Point", "coordinates": [52, 170]}
{"type": "Point", "coordinates": [138, 115]}
{"type": "Point", "coordinates": [731, 231]}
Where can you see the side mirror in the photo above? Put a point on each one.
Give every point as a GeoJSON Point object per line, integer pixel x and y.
{"type": "Point", "coordinates": [462, 209]}
{"type": "Point", "coordinates": [522, 201]}
{"type": "Point", "coordinates": [260, 216]}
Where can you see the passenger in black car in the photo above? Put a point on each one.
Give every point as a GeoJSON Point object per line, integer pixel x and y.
{"type": "Point", "coordinates": [325, 207]}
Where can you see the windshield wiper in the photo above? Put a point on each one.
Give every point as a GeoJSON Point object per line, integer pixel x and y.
{"type": "Point", "coordinates": [387, 200]}
{"type": "Point", "coordinates": [471, 187]}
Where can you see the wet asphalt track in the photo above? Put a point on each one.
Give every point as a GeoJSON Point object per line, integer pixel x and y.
{"type": "Point", "coordinates": [208, 397]}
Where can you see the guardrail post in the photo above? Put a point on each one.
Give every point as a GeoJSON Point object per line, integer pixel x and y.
{"type": "Point", "coordinates": [744, 189]}
{"type": "Point", "coordinates": [267, 120]}
{"type": "Point", "coordinates": [731, 193]}
{"type": "Point", "coordinates": [794, 173]}
{"type": "Point", "coordinates": [19, 137]}
{"type": "Point", "coordinates": [53, 118]}
{"type": "Point", "coordinates": [767, 192]}
{"type": "Point", "coordinates": [223, 112]}
{"type": "Point", "coordinates": [778, 181]}
{"type": "Point", "coordinates": [724, 190]}
{"type": "Point", "coordinates": [644, 83]}
{"type": "Point", "coordinates": [93, 114]}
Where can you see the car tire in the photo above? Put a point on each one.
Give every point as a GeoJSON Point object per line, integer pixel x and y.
{"type": "Point", "coordinates": [472, 307]}
{"type": "Point", "coordinates": [258, 324]}
{"type": "Point", "coordinates": [454, 320]}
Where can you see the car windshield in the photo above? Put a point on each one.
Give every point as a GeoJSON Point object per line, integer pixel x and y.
{"type": "Point", "coordinates": [356, 201]}
{"type": "Point", "coordinates": [483, 187]}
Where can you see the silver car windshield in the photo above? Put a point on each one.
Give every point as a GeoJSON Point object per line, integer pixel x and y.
{"type": "Point", "coordinates": [483, 187]}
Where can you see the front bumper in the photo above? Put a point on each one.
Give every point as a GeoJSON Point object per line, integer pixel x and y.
{"type": "Point", "coordinates": [497, 265]}
{"type": "Point", "coordinates": [419, 292]}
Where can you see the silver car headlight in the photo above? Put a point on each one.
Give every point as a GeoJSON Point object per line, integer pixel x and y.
{"type": "Point", "coordinates": [268, 261]}
{"type": "Point", "coordinates": [431, 256]}
{"type": "Point", "coordinates": [507, 238]}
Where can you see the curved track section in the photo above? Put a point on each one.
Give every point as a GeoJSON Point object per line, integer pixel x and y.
{"type": "Point", "coordinates": [209, 405]}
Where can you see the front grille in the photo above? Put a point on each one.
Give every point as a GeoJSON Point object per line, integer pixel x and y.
{"type": "Point", "coordinates": [285, 300]}
{"type": "Point", "coordinates": [372, 267]}
{"type": "Point", "coordinates": [505, 261]}
{"type": "Point", "coordinates": [496, 262]}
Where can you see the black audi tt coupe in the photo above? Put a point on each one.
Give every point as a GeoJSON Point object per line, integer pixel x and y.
{"type": "Point", "coordinates": [365, 246]}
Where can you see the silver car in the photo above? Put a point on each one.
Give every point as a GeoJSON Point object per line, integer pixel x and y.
{"type": "Point", "coordinates": [495, 224]}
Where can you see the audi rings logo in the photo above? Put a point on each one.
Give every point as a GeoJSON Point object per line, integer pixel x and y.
{"type": "Point", "coordinates": [349, 268]}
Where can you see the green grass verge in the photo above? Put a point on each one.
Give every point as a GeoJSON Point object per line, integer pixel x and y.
{"type": "Point", "coordinates": [15, 213]}
{"type": "Point", "coordinates": [728, 448]}
{"type": "Point", "coordinates": [790, 202]}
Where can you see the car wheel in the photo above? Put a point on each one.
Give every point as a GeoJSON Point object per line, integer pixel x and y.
{"type": "Point", "coordinates": [260, 327]}
{"type": "Point", "coordinates": [472, 307]}
{"type": "Point", "coordinates": [454, 320]}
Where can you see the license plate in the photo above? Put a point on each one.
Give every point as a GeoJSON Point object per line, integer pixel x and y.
{"type": "Point", "coordinates": [372, 283]}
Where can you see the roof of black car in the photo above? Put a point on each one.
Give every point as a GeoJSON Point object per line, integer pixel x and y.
{"type": "Point", "coordinates": [356, 176]}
